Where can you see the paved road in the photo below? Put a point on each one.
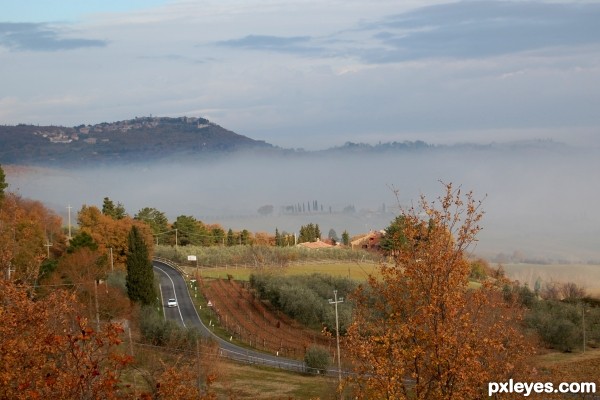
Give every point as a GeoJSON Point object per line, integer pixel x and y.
{"type": "Point", "coordinates": [173, 285]}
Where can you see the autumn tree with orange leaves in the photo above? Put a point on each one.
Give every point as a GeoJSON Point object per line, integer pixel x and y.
{"type": "Point", "coordinates": [109, 232]}
{"type": "Point", "coordinates": [26, 229]}
{"type": "Point", "coordinates": [420, 331]}
{"type": "Point", "coordinates": [48, 351]}
{"type": "Point", "coordinates": [48, 348]}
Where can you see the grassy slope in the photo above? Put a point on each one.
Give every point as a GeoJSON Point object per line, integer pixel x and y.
{"type": "Point", "coordinates": [252, 382]}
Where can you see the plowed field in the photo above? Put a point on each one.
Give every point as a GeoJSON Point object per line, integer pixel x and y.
{"type": "Point", "coordinates": [250, 320]}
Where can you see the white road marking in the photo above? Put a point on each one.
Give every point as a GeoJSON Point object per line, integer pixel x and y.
{"type": "Point", "coordinates": [174, 294]}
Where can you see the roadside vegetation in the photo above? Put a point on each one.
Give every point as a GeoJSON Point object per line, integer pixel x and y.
{"type": "Point", "coordinates": [259, 256]}
{"type": "Point", "coordinates": [352, 270]}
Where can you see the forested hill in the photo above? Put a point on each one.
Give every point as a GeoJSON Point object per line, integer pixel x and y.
{"type": "Point", "coordinates": [149, 139]}
{"type": "Point", "coordinates": [139, 139]}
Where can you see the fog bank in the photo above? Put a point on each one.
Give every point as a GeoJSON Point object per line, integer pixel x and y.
{"type": "Point", "coordinates": [539, 201]}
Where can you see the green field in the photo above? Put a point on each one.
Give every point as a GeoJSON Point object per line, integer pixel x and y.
{"type": "Point", "coordinates": [353, 270]}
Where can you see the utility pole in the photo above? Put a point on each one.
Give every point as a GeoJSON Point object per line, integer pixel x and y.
{"type": "Point", "coordinates": [198, 364]}
{"type": "Point", "coordinates": [335, 301]}
{"type": "Point", "coordinates": [47, 246]}
{"type": "Point", "coordinates": [10, 270]}
{"type": "Point", "coordinates": [583, 323]}
{"type": "Point", "coordinates": [112, 268]}
{"type": "Point", "coordinates": [69, 208]}
{"type": "Point", "coordinates": [131, 351]}
{"type": "Point", "coordinates": [97, 308]}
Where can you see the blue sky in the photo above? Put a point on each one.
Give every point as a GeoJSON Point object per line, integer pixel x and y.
{"type": "Point", "coordinates": [67, 10]}
{"type": "Point", "coordinates": [307, 73]}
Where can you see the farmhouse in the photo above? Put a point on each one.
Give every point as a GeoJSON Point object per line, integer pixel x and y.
{"type": "Point", "coordinates": [315, 245]}
{"type": "Point", "coordinates": [370, 241]}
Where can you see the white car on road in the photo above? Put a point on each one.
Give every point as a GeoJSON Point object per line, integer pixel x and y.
{"type": "Point", "coordinates": [172, 303]}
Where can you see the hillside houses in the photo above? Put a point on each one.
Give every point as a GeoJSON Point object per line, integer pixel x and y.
{"type": "Point", "coordinates": [69, 135]}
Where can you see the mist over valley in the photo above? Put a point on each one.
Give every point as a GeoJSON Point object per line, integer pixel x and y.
{"type": "Point", "coordinates": [538, 197]}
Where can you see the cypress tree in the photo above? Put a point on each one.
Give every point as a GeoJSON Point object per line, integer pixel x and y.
{"type": "Point", "coordinates": [140, 277]}
{"type": "Point", "coordinates": [230, 238]}
{"type": "Point", "coordinates": [346, 238]}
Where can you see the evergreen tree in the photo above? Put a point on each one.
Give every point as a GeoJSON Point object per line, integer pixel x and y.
{"type": "Point", "coordinates": [245, 237]}
{"type": "Point", "coordinates": [333, 235]}
{"type": "Point", "coordinates": [218, 235]}
{"type": "Point", "coordinates": [189, 230]}
{"type": "Point", "coordinates": [140, 277]}
{"type": "Point", "coordinates": [230, 238]}
{"type": "Point", "coordinates": [309, 233]}
{"type": "Point", "coordinates": [345, 238]}
{"type": "Point", "coordinates": [394, 239]}
{"type": "Point", "coordinates": [278, 239]}
{"type": "Point", "coordinates": [156, 219]}
{"type": "Point", "coordinates": [82, 239]}
{"type": "Point", "coordinates": [304, 235]}
{"type": "Point", "coordinates": [115, 212]}
{"type": "Point", "coordinates": [108, 207]}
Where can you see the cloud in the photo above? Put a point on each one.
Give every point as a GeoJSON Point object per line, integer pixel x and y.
{"type": "Point", "coordinates": [176, 57]}
{"type": "Point", "coordinates": [476, 29]}
{"type": "Point", "coordinates": [295, 44]}
{"type": "Point", "coordinates": [467, 29]}
{"type": "Point", "coordinates": [40, 37]}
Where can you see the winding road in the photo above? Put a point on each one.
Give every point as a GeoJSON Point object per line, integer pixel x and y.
{"type": "Point", "coordinates": [173, 285]}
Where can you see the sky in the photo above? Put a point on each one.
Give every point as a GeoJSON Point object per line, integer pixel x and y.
{"type": "Point", "coordinates": [310, 73]}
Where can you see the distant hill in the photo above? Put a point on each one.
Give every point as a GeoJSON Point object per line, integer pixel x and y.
{"type": "Point", "coordinates": [419, 145]}
{"type": "Point", "coordinates": [160, 138]}
{"type": "Point", "coordinates": [138, 139]}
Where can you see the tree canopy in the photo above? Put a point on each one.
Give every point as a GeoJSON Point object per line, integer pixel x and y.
{"type": "Point", "coordinates": [157, 220]}
{"type": "Point", "coordinates": [49, 351]}
{"type": "Point", "coordinates": [419, 330]}
{"type": "Point", "coordinates": [114, 211]}
{"type": "Point", "coordinates": [109, 233]}
{"type": "Point", "coordinates": [309, 233]}
{"type": "Point", "coordinates": [26, 227]}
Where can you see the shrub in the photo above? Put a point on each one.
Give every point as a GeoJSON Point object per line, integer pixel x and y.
{"type": "Point", "coordinates": [480, 269]}
{"type": "Point", "coordinates": [316, 359]}
{"type": "Point", "coordinates": [160, 332]}
{"type": "Point", "coordinates": [558, 324]}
